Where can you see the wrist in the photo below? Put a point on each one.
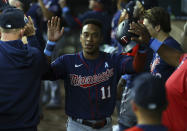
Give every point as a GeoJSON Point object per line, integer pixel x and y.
{"type": "Point", "coordinates": [149, 40]}
{"type": "Point", "coordinates": [31, 34]}
{"type": "Point", "coordinates": [51, 42]}
{"type": "Point", "coordinates": [142, 48]}
{"type": "Point", "coordinates": [31, 37]}
{"type": "Point", "coordinates": [49, 48]}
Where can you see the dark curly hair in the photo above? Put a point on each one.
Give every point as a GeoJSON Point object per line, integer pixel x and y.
{"type": "Point", "coordinates": [158, 16]}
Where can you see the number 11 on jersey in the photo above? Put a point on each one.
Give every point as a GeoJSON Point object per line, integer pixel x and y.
{"type": "Point", "coordinates": [104, 92]}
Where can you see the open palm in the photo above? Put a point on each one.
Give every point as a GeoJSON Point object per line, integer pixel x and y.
{"type": "Point", "coordinates": [142, 32]}
{"type": "Point", "coordinates": [54, 32]}
{"type": "Point", "coordinates": [29, 29]}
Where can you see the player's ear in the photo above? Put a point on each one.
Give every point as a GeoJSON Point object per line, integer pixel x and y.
{"type": "Point", "coordinates": [81, 37]}
{"type": "Point", "coordinates": [22, 32]}
{"type": "Point", "coordinates": [157, 28]}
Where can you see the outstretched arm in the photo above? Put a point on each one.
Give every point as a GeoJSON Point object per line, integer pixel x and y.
{"type": "Point", "coordinates": [170, 55]}
{"type": "Point", "coordinates": [54, 33]}
{"type": "Point", "coordinates": [139, 61]}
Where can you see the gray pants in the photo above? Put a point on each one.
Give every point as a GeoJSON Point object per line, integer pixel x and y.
{"type": "Point", "coordinates": [127, 116]}
{"type": "Point", "coordinates": [77, 126]}
{"type": "Point", "coordinates": [52, 90]}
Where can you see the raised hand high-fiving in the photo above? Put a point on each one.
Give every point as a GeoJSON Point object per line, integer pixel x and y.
{"type": "Point", "coordinates": [142, 32]}
{"type": "Point", "coordinates": [54, 33]}
{"type": "Point", "coordinates": [29, 29]}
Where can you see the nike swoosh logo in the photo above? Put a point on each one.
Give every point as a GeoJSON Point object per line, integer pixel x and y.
{"type": "Point", "coordinates": [78, 65]}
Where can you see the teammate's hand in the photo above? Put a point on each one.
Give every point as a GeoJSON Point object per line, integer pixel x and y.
{"type": "Point", "coordinates": [29, 29]}
{"type": "Point", "coordinates": [62, 3]}
{"type": "Point", "coordinates": [142, 32]}
{"type": "Point", "coordinates": [54, 32]}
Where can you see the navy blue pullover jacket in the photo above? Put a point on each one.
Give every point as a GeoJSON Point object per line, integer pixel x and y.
{"type": "Point", "coordinates": [20, 70]}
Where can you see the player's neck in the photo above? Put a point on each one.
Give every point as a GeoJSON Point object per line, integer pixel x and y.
{"type": "Point", "coordinates": [147, 120]}
{"type": "Point", "coordinates": [91, 56]}
{"type": "Point", "coordinates": [162, 36]}
{"type": "Point", "coordinates": [9, 37]}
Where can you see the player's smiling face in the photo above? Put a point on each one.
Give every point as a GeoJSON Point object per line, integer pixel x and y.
{"type": "Point", "coordinates": [90, 39]}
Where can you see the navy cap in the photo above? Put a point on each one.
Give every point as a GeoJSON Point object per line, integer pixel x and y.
{"type": "Point", "coordinates": [149, 92]}
{"type": "Point", "coordinates": [148, 4]}
{"type": "Point", "coordinates": [12, 18]}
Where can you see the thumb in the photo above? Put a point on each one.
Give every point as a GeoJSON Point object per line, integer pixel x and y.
{"type": "Point", "coordinates": [22, 32]}
{"type": "Point", "coordinates": [62, 30]}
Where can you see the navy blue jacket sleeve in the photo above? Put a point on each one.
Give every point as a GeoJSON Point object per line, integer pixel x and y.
{"type": "Point", "coordinates": [56, 70]}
